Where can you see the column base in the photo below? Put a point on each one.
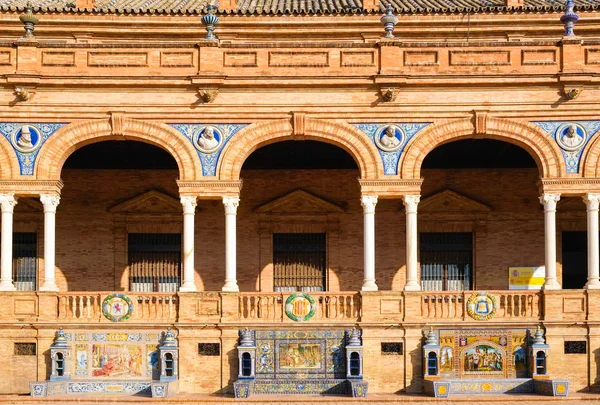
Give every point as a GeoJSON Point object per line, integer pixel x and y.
{"type": "Point", "coordinates": [49, 286]}
{"type": "Point", "coordinates": [369, 285]}
{"type": "Point", "coordinates": [414, 286]}
{"type": "Point", "coordinates": [231, 286]}
{"type": "Point", "coordinates": [551, 285]}
{"type": "Point", "coordinates": [592, 285]}
{"type": "Point", "coordinates": [7, 286]}
{"type": "Point", "coordinates": [188, 287]}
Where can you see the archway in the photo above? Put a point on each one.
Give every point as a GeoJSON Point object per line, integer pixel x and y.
{"type": "Point", "coordinates": [479, 215]}
{"type": "Point", "coordinates": [68, 139]}
{"type": "Point", "coordinates": [119, 221]}
{"type": "Point", "coordinates": [337, 133]}
{"type": "Point", "coordinates": [541, 147]}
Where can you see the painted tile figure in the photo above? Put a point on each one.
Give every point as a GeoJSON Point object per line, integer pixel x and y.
{"type": "Point", "coordinates": [570, 137]}
{"type": "Point", "coordinates": [483, 358]}
{"type": "Point", "coordinates": [26, 139]}
{"type": "Point", "coordinates": [112, 360]}
{"type": "Point", "coordinates": [300, 356]}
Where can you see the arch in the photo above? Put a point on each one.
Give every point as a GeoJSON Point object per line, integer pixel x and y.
{"type": "Point", "coordinates": [540, 146]}
{"type": "Point", "coordinates": [337, 133]}
{"type": "Point", "coordinates": [9, 163]}
{"type": "Point", "coordinates": [68, 139]}
{"type": "Point", "coordinates": [590, 159]}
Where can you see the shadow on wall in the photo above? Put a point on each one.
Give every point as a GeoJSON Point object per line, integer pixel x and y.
{"type": "Point", "coordinates": [416, 382]}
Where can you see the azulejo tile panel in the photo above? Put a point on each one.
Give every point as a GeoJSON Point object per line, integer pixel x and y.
{"type": "Point", "coordinates": [391, 140]}
{"type": "Point", "coordinates": [27, 139]}
{"type": "Point", "coordinates": [336, 386]}
{"type": "Point", "coordinates": [490, 386]}
{"type": "Point", "coordinates": [571, 137]}
{"type": "Point", "coordinates": [209, 141]}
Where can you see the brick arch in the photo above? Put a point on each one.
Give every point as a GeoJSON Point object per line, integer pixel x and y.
{"type": "Point", "coordinates": [9, 163]}
{"type": "Point", "coordinates": [590, 160]}
{"type": "Point", "coordinates": [337, 133]}
{"type": "Point", "coordinates": [536, 142]}
{"type": "Point", "coordinates": [68, 139]}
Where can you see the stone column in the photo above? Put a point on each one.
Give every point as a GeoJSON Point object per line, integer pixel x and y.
{"type": "Point", "coordinates": [368, 203]}
{"type": "Point", "coordinates": [592, 202]}
{"type": "Point", "coordinates": [189, 210]}
{"type": "Point", "coordinates": [8, 202]}
{"type": "Point", "coordinates": [410, 204]}
{"type": "Point", "coordinates": [50, 202]}
{"type": "Point", "coordinates": [231, 204]}
{"type": "Point", "coordinates": [549, 201]}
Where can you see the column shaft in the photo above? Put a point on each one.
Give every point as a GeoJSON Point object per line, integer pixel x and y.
{"type": "Point", "coordinates": [189, 210]}
{"type": "Point", "coordinates": [592, 202]}
{"type": "Point", "coordinates": [231, 204]}
{"type": "Point", "coordinates": [549, 201]}
{"type": "Point", "coordinates": [8, 202]}
{"type": "Point", "coordinates": [50, 202]}
{"type": "Point", "coordinates": [368, 202]}
{"type": "Point", "coordinates": [410, 204]}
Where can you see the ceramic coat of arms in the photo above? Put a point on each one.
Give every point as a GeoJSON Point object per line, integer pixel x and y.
{"type": "Point", "coordinates": [482, 306]}
{"type": "Point", "coordinates": [300, 307]}
{"type": "Point", "coordinates": [117, 307]}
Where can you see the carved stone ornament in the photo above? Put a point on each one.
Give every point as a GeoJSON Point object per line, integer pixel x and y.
{"type": "Point", "coordinates": [29, 20]}
{"type": "Point", "coordinates": [208, 95]}
{"type": "Point", "coordinates": [208, 139]}
{"type": "Point", "coordinates": [572, 94]}
{"type": "Point", "coordinates": [549, 201]}
{"type": "Point", "coordinates": [571, 136]}
{"type": "Point", "coordinates": [368, 203]}
{"type": "Point", "coordinates": [26, 138]}
{"type": "Point", "coordinates": [390, 138]}
{"type": "Point", "coordinates": [389, 94]}
{"type": "Point", "coordinates": [482, 306]}
{"type": "Point", "coordinates": [23, 94]}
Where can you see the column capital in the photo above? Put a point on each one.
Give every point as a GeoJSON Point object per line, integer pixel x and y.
{"type": "Point", "coordinates": [231, 204]}
{"type": "Point", "coordinates": [411, 202]}
{"type": "Point", "coordinates": [549, 201]}
{"type": "Point", "coordinates": [50, 202]}
{"type": "Point", "coordinates": [592, 201]}
{"type": "Point", "coordinates": [368, 203]}
{"type": "Point", "coordinates": [8, 202]}
{"type": "Point", "coordinates": [189, 204]}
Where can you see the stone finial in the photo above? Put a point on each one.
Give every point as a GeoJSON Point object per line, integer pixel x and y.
{"type": "Point", "coordinates": [29, 20]}
{"type": "Point", "coordinates": [538, 338]}
{"type": "Point", "coordinates": [431, 338]}
{"type": "Point", "coordinates": [246, 338]}
{"type": "Point", "coordinates": [210, 20]}
{"type": "Point", "coordinates": [354, 337]}
{"type": "Point", "coordinates": [389, 20]}
{"type": "Point", "coordinates": [61, 339]}
{"type": "Point", "coordinates": [569, 18]}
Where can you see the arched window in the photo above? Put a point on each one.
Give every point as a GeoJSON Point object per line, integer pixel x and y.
{"type": "Point", "coordinates": [432, 364]}
{"type": "Point", "coordinates": [354, 364]}
{"type": "Point", "coordinates": [540, 363]}
{"type": "Point", "coordinates": [169, 365]}
{"type": "Point", "coordinates": [246, 365]}
{"type": "Point", "coordinates": [60, 365]}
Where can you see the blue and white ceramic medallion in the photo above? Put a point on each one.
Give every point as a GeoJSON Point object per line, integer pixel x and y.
{"type": "Point", "coordinates": [389, 138]}
{"type": "Point", "coordinates": [208, 139]}
{"type": "Point", "coordinates": [571, 136]}
{"type": "Point", "coordinates": [26, 138]}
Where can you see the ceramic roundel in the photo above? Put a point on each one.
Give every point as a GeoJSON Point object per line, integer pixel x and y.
{"type": "Point", "coordinates": [300, 307]}
{"type": "Point", "coordinates": [482, 306]}
{"type": "Point", "coordinates": [117, 307]}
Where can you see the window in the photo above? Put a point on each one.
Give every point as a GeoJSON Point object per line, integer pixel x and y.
{"type": "Point", "coordinates": [574, 259]}
{"type": "Point", "coordinates": [575, 347]}
{"type": "Point", "coordinates": [209, 349]}
{"type": "Point", "coordinates": [25, 260]}
{"type": "Point", "coordinates": [354, 364]}
{"type": "Point", "coordinates": [246, 365]}
{"type": "Point", "coordinates": [390, 349]}
{"type": "Point", "coordinates": [25, 349]}
{"type": "Point", "coordinates": [154, 262]}
{"type": "Point", "coordinates": [446, 261]}
{"type": "Point", "coordinates": [299, 261]}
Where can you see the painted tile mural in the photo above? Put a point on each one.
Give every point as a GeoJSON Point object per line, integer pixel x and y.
{"type": "Point", "coordinates": [300, 354]}
{"type": "Point", "coordinates": [115, 355]}
{"type": "Point", "coordinates": [483, 353]}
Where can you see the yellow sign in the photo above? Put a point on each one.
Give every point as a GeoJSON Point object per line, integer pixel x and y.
{"type": "Point", "coordinates": [526, 278]}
